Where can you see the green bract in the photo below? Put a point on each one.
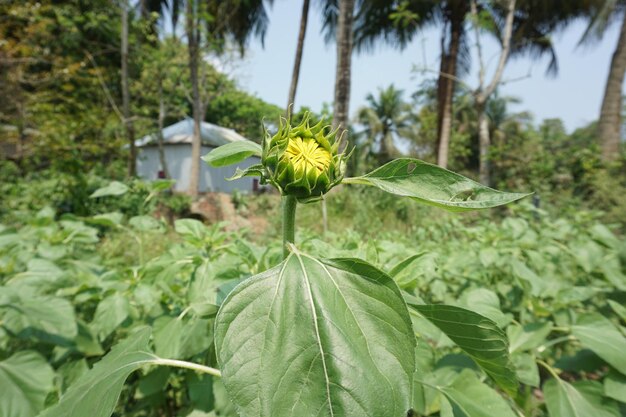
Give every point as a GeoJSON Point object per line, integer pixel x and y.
{"type": "Point", "coordinates": [303, 161]}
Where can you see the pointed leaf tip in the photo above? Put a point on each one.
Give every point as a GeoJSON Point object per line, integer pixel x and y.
{"type": "Point", "coordinates": [433, 185]}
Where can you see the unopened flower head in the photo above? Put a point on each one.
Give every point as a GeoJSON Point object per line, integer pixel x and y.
{"type": "Point", "coordinates": [303, 160]}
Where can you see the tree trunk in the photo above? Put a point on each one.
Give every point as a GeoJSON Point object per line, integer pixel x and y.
{"type": "Point", "coordinates": [161, 139]}
{"type": "Point", "coordinates": [193, 38]}
{"type": "Point", "coordinates": [296, 66]}
{"type": "Point", "coordinates": [484, 142]}
{"type": "Point", "coordinates": [456, 15]}
{"type": "Point", "coordinates": [344, 58]}
{"type": "Point", "coordinates": [609, 125]}
{"type": "Point", "coordinates": [386, 146]}
{"type": "Point", "coordinates": [482, 93]}
{"type": "Point", "coordinates": [128, 123]}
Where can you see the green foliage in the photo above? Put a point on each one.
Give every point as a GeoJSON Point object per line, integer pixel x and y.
{"type": "Point", "coordinates": [477, 336]}
{"type": "Point", "coordinates": [83, 303]}
{"type": "Point", "coordinates": [347, 314]}
{"type": "Point", "coordinates": [433, 185]}
{"type": "Point", "coordinates": [232, 153]}
{"type": "Point", "coordinates": [26, 379]}
{"type": "Point", "coordinates": [85, 195]}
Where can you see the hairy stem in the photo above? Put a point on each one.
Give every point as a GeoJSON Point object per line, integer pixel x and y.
{"type": "Point", "coordinates": [187, 365]}
{"type": "Point", "coordinates": [289, 222]}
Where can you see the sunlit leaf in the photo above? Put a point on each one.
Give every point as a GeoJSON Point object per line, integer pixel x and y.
{"type": "Point", "coordinates": [50, 319]}
{"type": "Point", "coordinates": [431, 184]}
{"type": "Point", "coordinates": [95, 394]}
{"type": "Point", "coordinates": [470, 397]}
{"type": "Point", "coordinates": [528, 336]}
{"type": "Point", "coordinates": [25, 380]}
{"type": "Point", "coordinates": [597, 333]}
{"type": "Point", "coordinates": [566, 400]}
{"type": "Point", "coordinates": [114, 188]}
{"type": "Point", "coordinates": [232, 153]}
{"type": "Point", "coordinates": [317, 338]}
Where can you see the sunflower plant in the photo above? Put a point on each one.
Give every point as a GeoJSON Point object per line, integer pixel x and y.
{"type": "Point", "coordinates": [321, 337]}
{"type": "Point", "coordinates": [333, 337]}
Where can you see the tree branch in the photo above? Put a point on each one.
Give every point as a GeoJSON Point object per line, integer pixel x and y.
{"type": "Point", "coordinates": [506, 49]}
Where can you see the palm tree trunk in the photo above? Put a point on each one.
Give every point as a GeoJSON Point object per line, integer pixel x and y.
{"type": "Point", "coordinates": [456, 14]}
{"type": "Point", "coordinates": [161, 122]}
{"type": "Point", "coordinates": [609, 125]}
{"type": "Point", "coordinates": [296, 66]}
{"type": "Point", "coordinates": [484, 141]}
{"type": "Point", "coordinates": [128, 123]}
{"type": "Point", "coordinates": [192, 45]}
{"type": "Point", "coordinates": [344, 58]}
{"type": "Point", "coordinates": [484, 92]}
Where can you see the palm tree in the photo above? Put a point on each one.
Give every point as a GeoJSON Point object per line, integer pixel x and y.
{"type": "Point", "coordinates": [359, 25]}
{"type": "Point", "coordinates": [212, 23]}
{"type": "Point", "coordinates": [386, 118]}
{"type": "Point", "coordinates": [235, 19]}
{"type": "Point", "coordinates": [454, 13]}
{"type": "Point", "coordinates": [344, 63]}
{"type": "Point", "coordinates": [609, 125]}
{"type": "Point", "coordinates": [523, 28]}
{"type": "Point", "coordinates": [299, 49]}
{"type": "Point", "coordinates": [128, 123]}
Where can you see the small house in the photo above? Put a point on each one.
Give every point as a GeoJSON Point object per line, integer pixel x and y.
{"type": "Point", "coordinates": [177, 149]}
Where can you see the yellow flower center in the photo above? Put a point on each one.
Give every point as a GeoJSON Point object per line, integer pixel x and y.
{"type": "Point", "coordinates": [307, 153]}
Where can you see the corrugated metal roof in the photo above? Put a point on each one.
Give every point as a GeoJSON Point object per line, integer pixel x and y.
{"type": "Point", "coordinates": [182, 132]}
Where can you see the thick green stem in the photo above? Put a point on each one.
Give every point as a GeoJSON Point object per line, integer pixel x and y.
{"type": "Point", "coordinates": [289, 222]}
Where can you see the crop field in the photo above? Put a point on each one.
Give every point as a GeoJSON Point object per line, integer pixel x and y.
{"type": "Point", "coordinates": [74, 287]}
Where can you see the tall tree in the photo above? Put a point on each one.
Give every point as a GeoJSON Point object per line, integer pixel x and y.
{"type": "Point", "coordinates": [454, 12]}
{"type": "Point", "coordinates": [298, 59]}
{"type": "Point", "coordinates": [484, 90]}
{"type": "Point", "coordinates": [220, 20]}
{"type": "Point", "coordinates": [344, 63]}
{"type": "Point", "coordinates": [192, 29]}
{"type": "Point", "coordinates": [126, 112]}
{"type": "Point", "coordinates": [609, 124]}
{"type": "Point", "coordinates": [386, 117]}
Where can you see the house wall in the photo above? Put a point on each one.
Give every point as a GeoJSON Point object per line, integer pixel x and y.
{"type": "Point", "coordinates": [178, 159]}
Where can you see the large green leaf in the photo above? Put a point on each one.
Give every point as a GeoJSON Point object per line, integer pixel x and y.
{"type": "Point", "coordinates": [470, 397]}
{"type": "Point", "coordinates": [50, 319]}
{"type": "Point", "coordinates": [95, 394]}
{"type": "Point", "coordinates": [431, 184]}
{"type": "Point", "coordinates": [619, 309]}
{"type": "Point", "coordinates": [232, 153]}
{"type": "Point", "coordinates": [486, 303]}
{"type": "Point", "coordinates": [114, 188]}
{"type": "Point", "coordinates": [597, 333]}
{"type": "Point", "coordinates": [584, 400]}
{"type": "Point", "coordinates": [110, 313]}
{"type": "Point", "coordinates": [615, 386]}
{"type": "Point", "coordinates": [25, 380]}
{"type": "Point", "coordinates": [528, 336]}
{"type": "Point", "coordinates": [526, 368]}
{"type": "Point", "coordinates": [168, 336]}
{"type": "Point", "coordinates": [317, 338]}
{"type": "Point", "coordinates": [478, 336]}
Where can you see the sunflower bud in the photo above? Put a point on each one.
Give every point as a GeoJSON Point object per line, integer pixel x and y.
{"type": "Point", "coordinates": [303, 161]}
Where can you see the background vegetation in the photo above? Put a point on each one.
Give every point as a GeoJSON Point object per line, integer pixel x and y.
{"type": "Point", "coordinates": [89, 252]}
